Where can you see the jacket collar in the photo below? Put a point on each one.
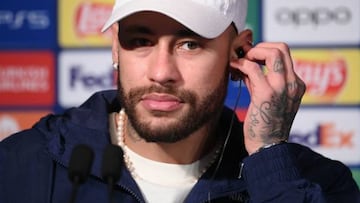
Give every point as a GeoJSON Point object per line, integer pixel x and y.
{"type": "Point", "coordinates": [81, 126]}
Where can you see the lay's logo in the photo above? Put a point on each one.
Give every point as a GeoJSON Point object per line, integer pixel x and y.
{"type": "Point", "coordinates": [90, 18]}
{"type": "Point", "coordinates": [323, 78]}
{"type": "Point", "coordinates": [331, 75]}
{"type": "Point", "coordinates": [80, 23]}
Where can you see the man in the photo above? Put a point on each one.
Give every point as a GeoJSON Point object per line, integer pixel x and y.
{"type": "Point", "coordinates": [180, 143]}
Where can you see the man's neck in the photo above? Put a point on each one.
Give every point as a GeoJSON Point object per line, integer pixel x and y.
{"type": "Point", "coordinates": [185, 151]}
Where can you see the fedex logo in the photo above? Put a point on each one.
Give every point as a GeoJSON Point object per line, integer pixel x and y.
{"type": "Point", "coordinates": [32, 19]}
{"type": "Point", "coordinates": [82, 73]}
{"type": "Point", "coordinates": [325, 135]}
{"type": "Point", "coordinates": [80, 78]}
{"type": "Point", "coordinates": [331, 131]}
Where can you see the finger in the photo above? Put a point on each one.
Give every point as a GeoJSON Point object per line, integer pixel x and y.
{"type": "Point", "coordinates": [285, 51]}
{"type": "Point", "coordinates": [254, 77]}
{"type": "Point", "coordinates": [275, 66]}
{"type": "Point", "coordinates": [295, 86]}
{"type": "Point", "coordinates": [296, 89]}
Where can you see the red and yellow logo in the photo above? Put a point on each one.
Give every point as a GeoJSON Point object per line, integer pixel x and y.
{"type": "Point", "coordinates": [80, 22]}
{"type": "Point", "coordinates": [331, 76]}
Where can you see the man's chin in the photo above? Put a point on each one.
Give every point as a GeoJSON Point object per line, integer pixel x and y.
{"type": "Point", "coordinates": [161, 129]}
{"type": "Point", "coordinates": [165, 136]}
{"type": "Point", "coordinates": [162, 124]}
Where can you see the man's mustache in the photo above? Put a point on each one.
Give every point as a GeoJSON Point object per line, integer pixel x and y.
{"type": "Point", "coordinates": [183, 95]}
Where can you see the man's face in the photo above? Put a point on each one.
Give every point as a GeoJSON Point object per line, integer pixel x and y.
{"type": "Point", "coordinates": [172, 82]}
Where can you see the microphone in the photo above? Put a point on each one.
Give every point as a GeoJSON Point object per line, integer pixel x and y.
{"type": "Point", "coordinates": [79, 167]}
{"type": "Point", "coordinates": [111, 166]}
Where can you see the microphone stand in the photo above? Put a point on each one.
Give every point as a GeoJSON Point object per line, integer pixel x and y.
{"type": "Point", "coordinates": [79, 167]}
{"type": "Point", "coordinates": [76, 184]}
{"type": "Point", "coordinates": [111, 167]}
{"type": "Point", "coordinates": [111, 189]}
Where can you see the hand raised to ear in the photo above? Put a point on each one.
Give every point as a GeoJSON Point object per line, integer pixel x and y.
{"type": "Point", "coordinates": [275, 93]}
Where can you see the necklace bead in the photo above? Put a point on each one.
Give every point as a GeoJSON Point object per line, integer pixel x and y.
{"type": "Point", "coordinates": [120, 131]}
{"type": "Point", "coordinates": [121, 142]}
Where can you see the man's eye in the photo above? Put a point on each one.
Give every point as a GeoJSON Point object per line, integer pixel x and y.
{"type": "Point", "coordinates": [140, 42]}
{"type": "Point", "coordinates": [190, 45]}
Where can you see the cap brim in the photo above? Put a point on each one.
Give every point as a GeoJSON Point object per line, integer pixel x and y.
{"type": "Point", "coordinates": [205, 21]}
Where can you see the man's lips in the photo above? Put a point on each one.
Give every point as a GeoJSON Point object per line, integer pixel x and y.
{"type": "Point", "coordinates": [161, 102]}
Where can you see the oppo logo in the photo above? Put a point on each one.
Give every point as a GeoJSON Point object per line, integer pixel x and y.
{"type": "Point", "coordinates": [313, 16]}
{"type": "Point", "coordinates": [32, 19]}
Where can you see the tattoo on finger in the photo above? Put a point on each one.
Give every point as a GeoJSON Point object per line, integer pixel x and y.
{"type": "Point", "coordinates": [278, 66]}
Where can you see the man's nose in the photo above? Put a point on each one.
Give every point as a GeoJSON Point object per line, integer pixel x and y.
{"type": "Point", "coordinates": [162, 67]}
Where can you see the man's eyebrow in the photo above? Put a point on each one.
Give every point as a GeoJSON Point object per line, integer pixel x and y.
{"type": "Point", "coordinates": [187, 33]}
{"type": "Point", "coordinates": [137, 29]}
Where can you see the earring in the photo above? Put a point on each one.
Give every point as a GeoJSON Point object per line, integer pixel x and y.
{"type": "Point", "coordinates": [115, 65]}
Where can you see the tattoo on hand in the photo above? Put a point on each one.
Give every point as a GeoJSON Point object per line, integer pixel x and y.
{"type": "Point", "coordinates": [279, 66]}
{"type": "Point", "coordinates": [275, 116]}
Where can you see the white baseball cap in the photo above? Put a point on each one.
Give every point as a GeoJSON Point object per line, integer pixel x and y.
{"type": "Point", "coordinates": [208, 18]}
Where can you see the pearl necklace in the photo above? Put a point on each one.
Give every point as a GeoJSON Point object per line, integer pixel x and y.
{"type": "Point", "coordinates": [121, 142]}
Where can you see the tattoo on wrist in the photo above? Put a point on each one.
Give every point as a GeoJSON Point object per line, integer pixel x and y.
{"type": "Point", "coordinates": [274, 115]}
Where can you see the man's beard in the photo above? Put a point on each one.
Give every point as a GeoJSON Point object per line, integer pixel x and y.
{"type": "Point", "coordinates": [205, 110]}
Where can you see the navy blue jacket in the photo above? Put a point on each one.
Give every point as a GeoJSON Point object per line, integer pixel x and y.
{"type": "Point", "coordinates": [34, 165]}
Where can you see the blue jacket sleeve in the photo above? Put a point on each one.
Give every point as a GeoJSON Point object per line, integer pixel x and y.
{"type": "Point", "coordinates": [293, 173]}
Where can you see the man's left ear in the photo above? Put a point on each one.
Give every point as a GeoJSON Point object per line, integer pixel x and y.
{"type": "Point", "coordinates": [115, 45]}
{"type": "Point", "coordinates": [241, 44]}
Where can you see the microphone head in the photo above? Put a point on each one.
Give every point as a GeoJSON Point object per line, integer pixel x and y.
{"type": "Point", "coordinates": [80, 163]}
{"type": "Point", "coordinates": [112, 162]}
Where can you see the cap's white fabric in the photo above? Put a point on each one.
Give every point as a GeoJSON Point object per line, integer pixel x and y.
{"type": "Point", "coordinates": [208, 18]}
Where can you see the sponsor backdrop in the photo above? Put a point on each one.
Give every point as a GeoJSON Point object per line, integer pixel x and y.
{"type": "Point", "coordinates": [53, 56]}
